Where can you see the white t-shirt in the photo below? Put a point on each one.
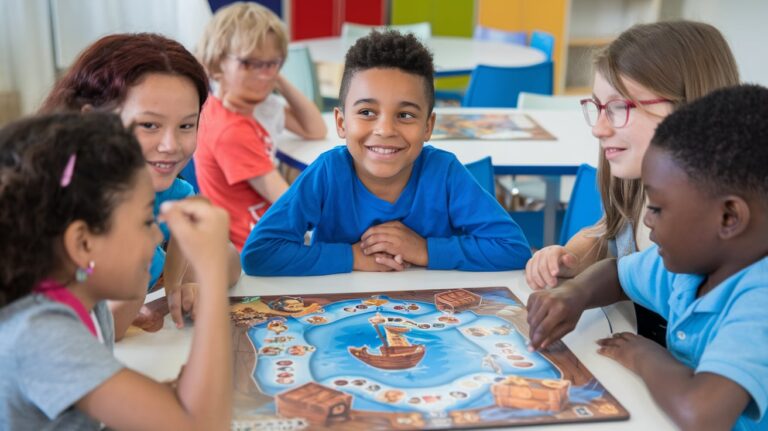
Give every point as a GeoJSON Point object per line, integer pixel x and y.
{"type": "Point", "coordinates": [271, 115]}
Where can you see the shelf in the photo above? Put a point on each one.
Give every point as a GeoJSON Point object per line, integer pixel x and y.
{"type": "Point", "coordinates": [590, 41]}
{"type": "Point", "coordinates": [578, 91]}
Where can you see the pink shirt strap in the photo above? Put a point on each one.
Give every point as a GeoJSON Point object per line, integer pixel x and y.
{"type": "Point", "coordinates": [57, 292]}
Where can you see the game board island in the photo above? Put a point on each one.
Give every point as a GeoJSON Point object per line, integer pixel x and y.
{"type": "Point", "coordinates": [429, 359]}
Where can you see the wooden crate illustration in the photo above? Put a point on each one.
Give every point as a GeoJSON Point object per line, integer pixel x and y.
{"type": "Point", "coordinates": [457, 300]}
{"type": "Point", "coordinates": [532, 394]}
{"type": "Point", "coordinates": [316, 403]}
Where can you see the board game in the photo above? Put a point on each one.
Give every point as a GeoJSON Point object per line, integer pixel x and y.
{"type": "Point", "coordinates": [505, 126]}
{"type": "Point", "coordinates": [428, 359]}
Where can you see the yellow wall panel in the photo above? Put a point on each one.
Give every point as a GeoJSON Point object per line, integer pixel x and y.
{"type": "Point", "coordinates": [528, 15]}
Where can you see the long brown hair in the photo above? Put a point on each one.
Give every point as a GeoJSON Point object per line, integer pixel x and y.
{"type": "Point", "coordinates": [105, 71]}
{"type": "Point", "coordinates": [679, 61]}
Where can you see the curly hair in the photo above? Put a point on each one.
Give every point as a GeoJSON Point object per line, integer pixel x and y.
{"type": "Point", "coordinates": [390, 49]}
{"type": "Point", "coordinates": [721, 140]}
{"type": "Point", "coordinates": [105, 71]}
{"type": "Point", "coordinates": [35, 209]}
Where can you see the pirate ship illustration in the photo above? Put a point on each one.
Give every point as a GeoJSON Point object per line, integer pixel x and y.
{"type": "Point", "coordinates": [397, 353]}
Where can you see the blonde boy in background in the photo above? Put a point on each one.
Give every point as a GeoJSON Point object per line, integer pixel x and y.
{"type": "Point", "coordinates": [242, 50]}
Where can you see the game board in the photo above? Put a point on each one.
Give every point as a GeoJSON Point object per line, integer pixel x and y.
{"type": "Point", "coordinates": [431, 359]}
{"type": "Point", "coordinates": [507, 127]}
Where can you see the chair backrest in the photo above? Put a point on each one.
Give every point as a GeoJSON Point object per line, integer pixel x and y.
{"type": "Point", "coordinates": [299, 70]}
{"type": "Point", "coordinates": [275, 6]}
{"type": "Point", "coordinates": [491, 86]}
{"type": "Point", "coordinates": [527, 100]}
{"type": "Point", "coordinates": [482, 170]}
{"type": "Point", "coordinates": [544, 42]}
{"type": "Point", "coordinates": [496, 35]}
{"type": "Point", "coordinates": [585, 207]}
{"type": "Point", "coordinates": [351, 31]}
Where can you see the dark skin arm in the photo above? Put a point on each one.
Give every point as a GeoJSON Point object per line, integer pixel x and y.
{"type": "Point", "coordinates": [554, 312]}
{"type": "Point", "coordinates": [693, 401]}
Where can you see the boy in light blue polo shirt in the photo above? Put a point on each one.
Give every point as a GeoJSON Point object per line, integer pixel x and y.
{"type": "Point", "coordinates": [706, 179]}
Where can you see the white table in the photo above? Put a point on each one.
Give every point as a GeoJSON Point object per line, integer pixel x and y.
{"type": "Point", "coordinates": [574, 145]}
{"type": "Point", "coordinates": [161, 354]}
{"type": "Point", "coordinates": [452, 55]}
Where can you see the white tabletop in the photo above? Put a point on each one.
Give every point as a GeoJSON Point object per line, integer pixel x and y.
{"type": "Point", "coordinates": [161, 354]}
{"type": "Point", "coordinates": [574, 145]}
{"type": "Point", "coordinates": [452, 55]}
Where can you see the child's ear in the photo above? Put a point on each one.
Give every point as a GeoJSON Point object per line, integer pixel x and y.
{"type": "Point", "coordinates": [735, 216]}
{"type": "Point", "coordinates": [338, 118]}
{"type": "Point", "coordinates": [77, 241]}
{"type": "Point", "coordinates": [430, 126]}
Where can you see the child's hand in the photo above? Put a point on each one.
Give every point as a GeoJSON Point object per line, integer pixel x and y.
{"type": "Point", "coordinates": [395, 239]}
{"type": "Point", "coordinates": [629, 349]}
{"type": "Point", "coordinates": [201, 230]}
{"type": "Point", "coordinates": [181, 299]}
{"type": "Point", "coordinates": [151, 315]}
{"type": "Point", "coordinates": [549, 263]}
{"type": "Point", "coordinates": [279, 83]}
{"type": "Point", "coordinates": [552, 314]}
{"type": "Point", "coordinates": [377, 262]}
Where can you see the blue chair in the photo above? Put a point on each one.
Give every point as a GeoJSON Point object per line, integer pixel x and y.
{"type": "Point", "coordinates": [482, 171]}
{"type": "Point", "coordinates": [544, 42]}
{"type": "Point", "coordinates": [299, 70]}
{"type": "Point", "coordinates": [585, 207]}
{"type": "Point", "coordinates": [496, 35]}
{"type": "Point", "coordinates": [275, 6]}
{"type": "Point", "coordinates": [499, 87]}
{"type": "Point", "coordinates": [455, 91]}
{"type": "Point", "coordinates": [188, 174]}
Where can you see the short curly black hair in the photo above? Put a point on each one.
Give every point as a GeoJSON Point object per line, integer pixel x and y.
{"type": "Point", "coordinates": [394, 50]}
{"type": "Point", "coordinates": [35, 209]}
{"type": "Point", "coordinates": [721, 140]}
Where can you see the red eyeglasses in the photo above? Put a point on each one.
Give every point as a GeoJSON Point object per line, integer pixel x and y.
{"type": "Point", "coordinates": [616, 110]}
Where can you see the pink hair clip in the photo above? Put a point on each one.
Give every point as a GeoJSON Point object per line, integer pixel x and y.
{"type": "Point", "coordinates": [66, 176]}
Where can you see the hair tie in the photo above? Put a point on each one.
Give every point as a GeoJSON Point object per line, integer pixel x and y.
{"type": "Point", "coordinates": [66, 176]}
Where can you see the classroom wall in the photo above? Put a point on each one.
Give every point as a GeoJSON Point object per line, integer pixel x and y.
{"type": "Point", "coordinates": [27, 60]}
{"type": "Point", "coordinates": [743, 23]}
{"type": "Point", "coordinates": [38, 38]}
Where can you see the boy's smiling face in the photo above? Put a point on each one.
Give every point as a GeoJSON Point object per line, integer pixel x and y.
{"type": "Point", "coordinates": [684, 219]}
{"type": "Point", "coordinates": [385, 122]}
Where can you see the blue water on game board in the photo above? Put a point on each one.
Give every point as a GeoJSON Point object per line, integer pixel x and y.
{"type": "Point", "coordinates": [465, 354]}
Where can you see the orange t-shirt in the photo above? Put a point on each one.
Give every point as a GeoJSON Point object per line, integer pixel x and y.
{"type": "Point", "coordinates": [232, 149]}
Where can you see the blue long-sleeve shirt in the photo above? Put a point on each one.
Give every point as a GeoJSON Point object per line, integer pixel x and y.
{"type": "Point", "coordinates": [464, 226]}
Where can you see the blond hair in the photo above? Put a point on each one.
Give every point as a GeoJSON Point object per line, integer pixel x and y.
{"type": "Point", "coordinates": [239, 29]}
{"type": "Point", "coordinates": [679, 61]}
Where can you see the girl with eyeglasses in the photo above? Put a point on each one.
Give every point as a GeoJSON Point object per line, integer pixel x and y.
{"type": "Point", "coordinates": [242, 50]}
{"type": "Point", "coordinates": [641, 77]}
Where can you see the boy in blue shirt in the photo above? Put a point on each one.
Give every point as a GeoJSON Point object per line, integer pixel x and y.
{"type": "Point", "coordinates": [706, 178]}
{"type": "Point", "coordinates": [385, 201]}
